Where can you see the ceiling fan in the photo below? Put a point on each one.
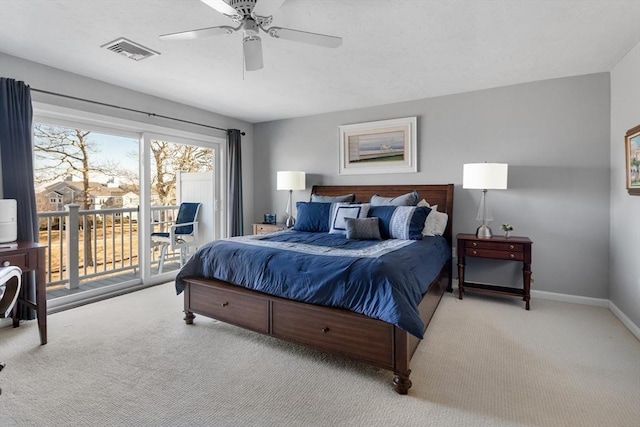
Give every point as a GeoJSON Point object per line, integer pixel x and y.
{"type": "Point", "coordinates": [251, 17]}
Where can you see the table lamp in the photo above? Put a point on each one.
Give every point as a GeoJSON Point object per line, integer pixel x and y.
{"type": "Point", "coordinates": [485, 176]}
{"type": "Point", "coordinates": [290, 180]}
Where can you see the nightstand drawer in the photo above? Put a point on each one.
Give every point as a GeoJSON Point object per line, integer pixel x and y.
{"type": "Point", "coordinates": [496, 246]}
{"type": "Point", "coordinates": [495, 254]}
{"type": "Point", "coordinates": [267, 228]}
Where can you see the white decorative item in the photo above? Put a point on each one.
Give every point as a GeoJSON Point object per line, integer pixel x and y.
{"type": "Point", "coordinates": [8, 220]}
{"type": "Point", "coordinates": [290, 180]}
{"type": "Point", "coordinates": [485, 176]}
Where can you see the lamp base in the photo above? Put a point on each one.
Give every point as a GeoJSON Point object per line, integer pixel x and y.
{"type": "Point", "coordinates": [290, 222]}
{"type": "Point", "coordinates": [484, 232]}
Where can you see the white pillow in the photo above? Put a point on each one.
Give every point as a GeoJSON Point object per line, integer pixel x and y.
{"type": "Point", "coordinates": [436, 221]}
{"type": "Point", "coordinates": [340, 211]}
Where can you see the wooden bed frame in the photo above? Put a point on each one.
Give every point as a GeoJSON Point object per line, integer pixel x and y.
{"type": "Point", "coordinates": [329, 329]}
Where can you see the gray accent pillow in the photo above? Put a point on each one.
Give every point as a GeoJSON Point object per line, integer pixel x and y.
{"type": "Point", "coordinates": [319, 198]}
{"type": "Point", "coordinates": [363, 229]}
{"type": "Point", "coordinates": [409, 199]}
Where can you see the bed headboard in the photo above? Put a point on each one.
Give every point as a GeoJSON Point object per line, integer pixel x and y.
{"type": "Point", "coordinates": [441, 195]}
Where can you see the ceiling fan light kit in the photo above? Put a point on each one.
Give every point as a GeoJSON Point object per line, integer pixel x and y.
{"type": "Point", "coordinates": [253, 16]}
{"type": "Point", "coordinates": [252, 46]}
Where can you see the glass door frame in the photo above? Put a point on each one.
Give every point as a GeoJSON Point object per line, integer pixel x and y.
{"type": "Point", "coordinates": [71, 117]}
{"type": "Point", "coordinates": [220, 215]}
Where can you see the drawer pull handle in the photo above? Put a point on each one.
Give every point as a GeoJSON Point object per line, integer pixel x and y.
{"type": "Point", "coordinates": [224, 304]}
{"type": "Point", "coordinates": [325, 330]}
{"type": "Point", "coordinates": [511, 246]}
{"type": "Point", "coordinates": [512, 256]}
{"type": "Point", "coordinates": [6, 264]}
{"type": "Point", "coordinates": [474, 244]}
{"type": "Point", "coordinates": [475, 252]}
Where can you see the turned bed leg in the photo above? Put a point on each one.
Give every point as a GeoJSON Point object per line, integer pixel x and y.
{"type": "Point", "coordinates": [401, 382]}
{"type": "Point", "coordinates": [188, 317]}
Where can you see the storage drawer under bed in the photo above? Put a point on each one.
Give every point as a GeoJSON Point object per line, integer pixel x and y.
{"type": "Point", "coordinates": [229, 306]}
{"type": "Point", "coordinates": [344, 333]}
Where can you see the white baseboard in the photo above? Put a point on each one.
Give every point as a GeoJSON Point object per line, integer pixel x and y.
{"type": "Point", "coordinates": [576, 299]}
{"type": "Point", "coordinates": [597, 302]}
{"type": "Point", "coordinates": [554, 296]}
{"type": "Point", "coordinates": [633, 328]}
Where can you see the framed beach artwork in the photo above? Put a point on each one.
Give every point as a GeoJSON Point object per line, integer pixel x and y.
{"type": "Point", "coordinates": [385, 146]}
{"type": "Point", "coordinates": [632, 151]}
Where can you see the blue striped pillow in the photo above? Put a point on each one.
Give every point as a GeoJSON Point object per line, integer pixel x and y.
{"type": "Point", "coordinates": [400, 222]}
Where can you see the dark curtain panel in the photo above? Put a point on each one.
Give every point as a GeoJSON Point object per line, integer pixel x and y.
{"type": "Point", "coordinates": [234, 166]}
{"type": "Point", "coordinates": [16, 152]}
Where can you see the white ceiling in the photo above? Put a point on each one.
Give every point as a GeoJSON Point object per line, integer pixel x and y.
{"type": "Point", "coordinates": [393, 50]}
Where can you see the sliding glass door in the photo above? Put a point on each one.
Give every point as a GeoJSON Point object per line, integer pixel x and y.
{"type": "Point", "coordinates": [87, 197]}
{"type": "Point", "coordinates": [102, 191]}
{"type": "Point", "coordinates": [177, 171]}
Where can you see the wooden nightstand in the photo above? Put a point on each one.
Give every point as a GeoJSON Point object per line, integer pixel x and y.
{"type": "Point", "coordinates": [508, 249]}
{"type": "Point", "coordinates": [260, 228]}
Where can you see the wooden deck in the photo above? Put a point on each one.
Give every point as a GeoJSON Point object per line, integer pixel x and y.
{"type": "Point", "coordinates": [97, 283]}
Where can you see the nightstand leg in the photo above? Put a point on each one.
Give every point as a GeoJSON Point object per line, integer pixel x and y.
{"type": "Point", "coordinates": [460, 277]}
{"type": "Point", "coordinates": [526, 279]}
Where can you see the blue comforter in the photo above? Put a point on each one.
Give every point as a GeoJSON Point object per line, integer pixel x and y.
{"type": "Point", "coordinates": [380, 279]}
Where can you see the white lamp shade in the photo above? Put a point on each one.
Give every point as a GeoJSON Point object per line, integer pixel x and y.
{"type": "Point", "coordinates": [485, 176]}
{"type": "Point", "coordinates": [291, 180]}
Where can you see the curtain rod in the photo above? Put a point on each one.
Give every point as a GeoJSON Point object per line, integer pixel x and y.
{"type": "Point", "coordinates": [129, 109]}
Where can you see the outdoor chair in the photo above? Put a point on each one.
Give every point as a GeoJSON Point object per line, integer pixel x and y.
{"type": "Point", "coordinates": [181, 236]}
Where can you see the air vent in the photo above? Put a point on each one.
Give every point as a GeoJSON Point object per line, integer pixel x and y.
{"type": "Point", "coordinates": [129, 49]}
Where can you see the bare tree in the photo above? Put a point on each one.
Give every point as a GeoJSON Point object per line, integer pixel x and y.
{"type": "Point", "coordinates": [62, 152]}
{"type": "Point", "coordinates": [170, 158]}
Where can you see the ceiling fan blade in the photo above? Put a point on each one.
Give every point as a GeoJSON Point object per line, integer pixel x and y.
{"type": "Point", "coordinates": [223, 7]}
{"type": "Point", "coordinates": [304, 37]}
{"type": "Point", "coordinates": [202, 32]}
{"type": "Point", "coordinates": [252, 47]}
{"type": "Point", "coordinates": [266, 7]}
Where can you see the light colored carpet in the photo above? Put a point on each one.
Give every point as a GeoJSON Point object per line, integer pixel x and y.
{"type": "Point", "coordinates": [485, 361]}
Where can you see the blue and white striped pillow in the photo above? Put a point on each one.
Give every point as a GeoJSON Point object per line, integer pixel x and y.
{"type": "Point", "coordinates": [400, 222]}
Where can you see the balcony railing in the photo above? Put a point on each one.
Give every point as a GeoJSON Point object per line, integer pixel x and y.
{"type": "Point", "coordinates": [85, 245]}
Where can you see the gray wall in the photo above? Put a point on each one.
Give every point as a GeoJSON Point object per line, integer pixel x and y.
{"type": "Point", "coordinates": [554, 135]}
{"type": "Point", "coordinates": [42, 77]}
{"type": "Point", "coordinates": [624, 262]}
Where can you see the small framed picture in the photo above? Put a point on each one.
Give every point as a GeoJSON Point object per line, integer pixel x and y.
{"type": "Point", "coordinates": [269, 218]}
{"type": "Point", "coordinates": [632, 152]}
